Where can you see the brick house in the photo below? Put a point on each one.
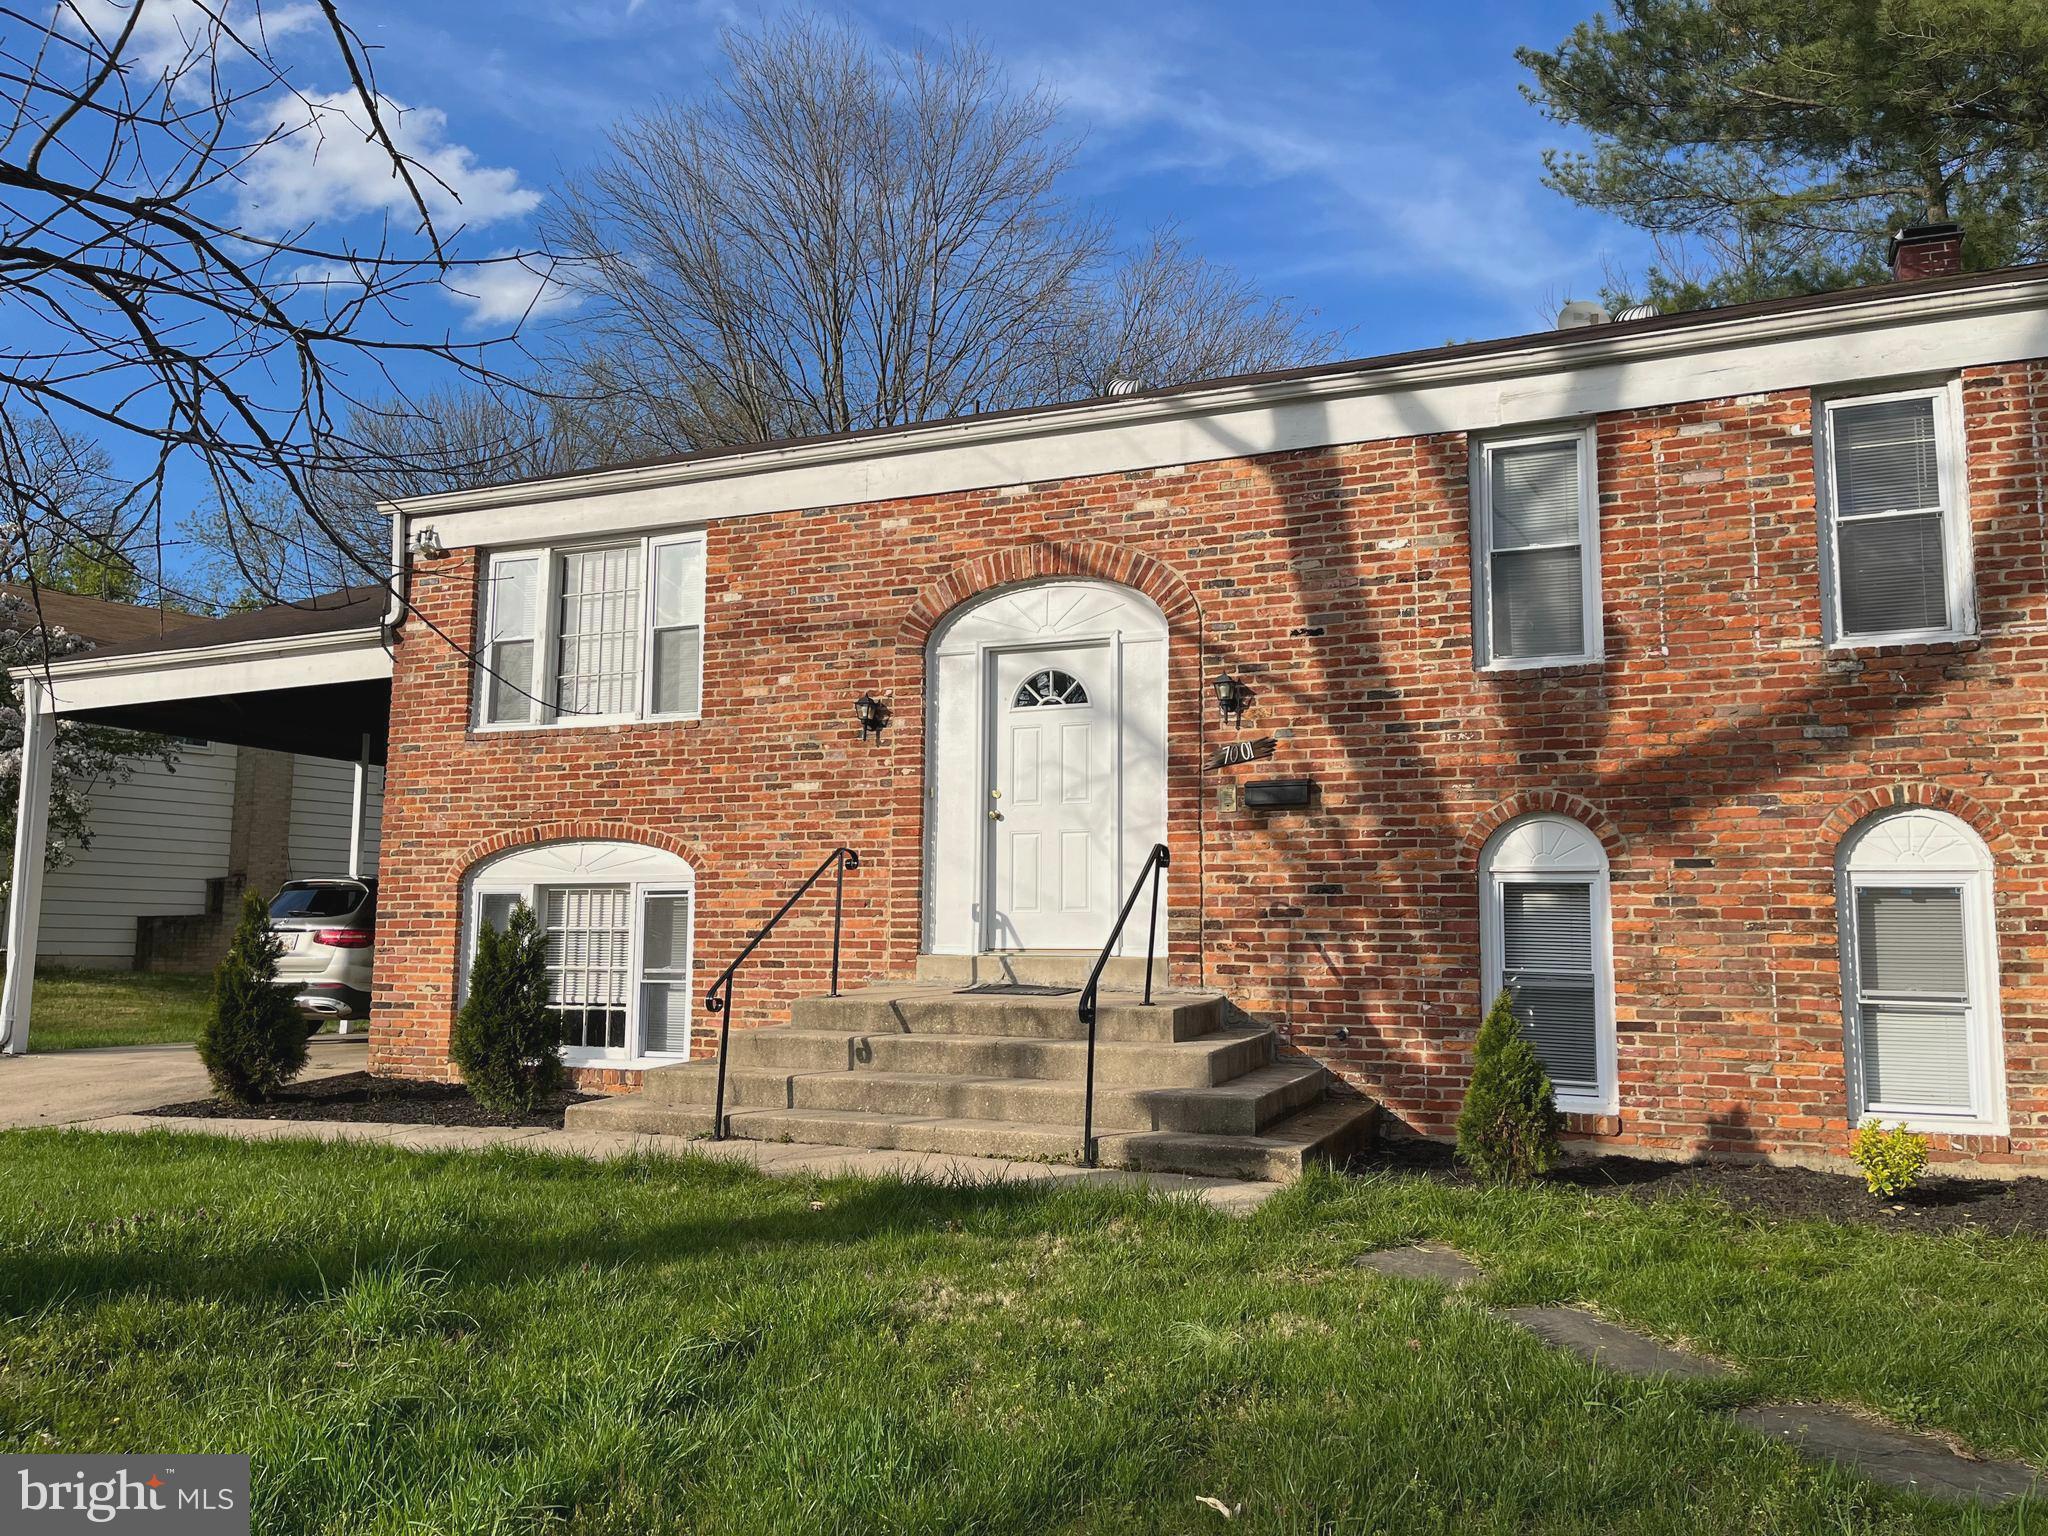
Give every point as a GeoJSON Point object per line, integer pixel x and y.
{"type": "Point", "coordinates": [1687, 676]}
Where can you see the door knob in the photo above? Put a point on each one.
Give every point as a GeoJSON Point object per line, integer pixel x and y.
{"type": "Point", "coordinates": [995, 815]}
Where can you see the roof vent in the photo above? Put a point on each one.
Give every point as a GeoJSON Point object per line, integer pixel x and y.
{"type": "Point", "coordinates": [1638, 312]}
{"type": "Point", "coordinates": [1120, 386]}
{"type": "Point", "coordinates": [1580, 313]}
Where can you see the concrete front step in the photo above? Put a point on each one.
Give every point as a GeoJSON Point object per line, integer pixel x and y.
{"type": "Point", "coordinates": [1038, 967]}
{"type": "Point", "coordinates": [920, 1008]}
{"type": "Point", "coordinates": [1327, 1131]}
{"type": "Point", "coordinates": [1199, 1063]}
{"type": "Point", "coordinates": [1243, 1106]}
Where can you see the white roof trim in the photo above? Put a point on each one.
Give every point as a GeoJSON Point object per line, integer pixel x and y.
{"type": "Point", "coordinates": [1887, 335]}
{"type": "Point", "coordinates": [89, 682]}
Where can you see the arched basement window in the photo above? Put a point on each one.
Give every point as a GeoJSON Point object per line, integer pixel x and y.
{"type": "Point", "coordinates": [1544, 938]}
{"type": "Point", "coordinates": [1920, 972]}
{"type": "Point", "coordinates": [618, 922]}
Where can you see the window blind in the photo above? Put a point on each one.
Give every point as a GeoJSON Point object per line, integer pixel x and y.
{"type": "Point", "coordinates": [1913, 991]}
{"type": "Point", "coordinates": [1536, 586]}
{"type": "Point", "coordinates": [1887, 457]}
{"type": "Point", "coordinates": [1891, 560]}
{"type": "Point", "coordinates": [1547, 966]}
{"type": "Point", "coordinates": [588, 948]}
{"type": "Point", "coordinates": [665, 972]}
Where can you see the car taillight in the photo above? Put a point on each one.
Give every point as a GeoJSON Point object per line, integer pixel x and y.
{"type": "Point", "coordinates": [343, 938]}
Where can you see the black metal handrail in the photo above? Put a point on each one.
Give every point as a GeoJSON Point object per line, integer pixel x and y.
{"type": "Point", "coordinates": [719, 999]}
{"type": "Point", "coordinates": [1155, 861]}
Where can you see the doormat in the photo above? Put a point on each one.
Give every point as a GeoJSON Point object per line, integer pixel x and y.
{"type": "Point", "coordinates": [1019, 989]}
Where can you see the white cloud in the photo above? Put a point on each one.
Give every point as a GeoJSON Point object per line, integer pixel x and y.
{"type": "Point", "coordinates": [325, 165]}
{"type": "Point", "coordinates": [173, 33]}
{"type": "Point", "coordinates": [1378, 185]}
{"type": "Point", "coordinates": [508, 288]}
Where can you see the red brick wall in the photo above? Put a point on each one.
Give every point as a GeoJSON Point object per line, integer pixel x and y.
{"type": "Point", "coordinates": [1337, 583]}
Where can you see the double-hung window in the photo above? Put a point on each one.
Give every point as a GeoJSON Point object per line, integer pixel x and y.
{"type": "Point", "coordinates": [1920, 973]}
{"type": "Point", "coordinates": [616, 921]}
{"type": "Point", "coordinates": [1544, 938]}
{"type": "Point", "coordinates": [607, 632]}
{"type": "Point", "coordinates": [1894, 536]}
{"type": "Point", "coordinates": [1536, 542]}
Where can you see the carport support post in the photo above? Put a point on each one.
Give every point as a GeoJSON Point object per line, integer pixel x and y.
{"type": "Point", "coordinates": [359, 808]}
{"type": "Point", "coordinates": [31, 840]}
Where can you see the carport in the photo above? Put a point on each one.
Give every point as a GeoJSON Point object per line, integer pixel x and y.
{"type": "Point", "coordinates": [311, 677]}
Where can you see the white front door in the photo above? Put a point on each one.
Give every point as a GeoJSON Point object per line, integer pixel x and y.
{"type": "Point", "coordinates": [1052, 805]}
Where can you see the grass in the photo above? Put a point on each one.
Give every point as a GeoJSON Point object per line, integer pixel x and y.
{"type": "Point", "coordinates": [514, 1343]}
{"type": "Point", "coordinates": [79, 1010]}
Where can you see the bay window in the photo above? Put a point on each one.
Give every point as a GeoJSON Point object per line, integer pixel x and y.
{"type": "Point", "coordinates": [596, 634]}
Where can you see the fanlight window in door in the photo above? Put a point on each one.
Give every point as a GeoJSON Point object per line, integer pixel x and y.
{"type": "Point", "coordinates": [1047, 688]}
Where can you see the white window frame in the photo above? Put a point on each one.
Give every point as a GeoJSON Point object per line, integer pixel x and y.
{"type": "Point", "coordinates": [1951, 459]}
{"type": "Point", "coordinates": [548, 623]}
{"type": "Point", "coordinates": [644, 872]}
{"type": "Point", "coordinates": [1592, 648]}
{"type": "Point", "coordinates": [1913, 846]}
{"type": "Point", "coordinates": [1547, 849]}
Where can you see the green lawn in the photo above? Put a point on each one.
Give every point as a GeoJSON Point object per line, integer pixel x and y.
{"type": "Point", "coordinates": [512, 1343]}
{"type": "Point", "coordinates": [76, 1010]}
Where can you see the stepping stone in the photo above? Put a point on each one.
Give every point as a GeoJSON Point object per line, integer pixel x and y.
{"type": "Point", "coordinates": [1898, 1457]}
{"type": "Point", "coordinates": [1420, 1261]}
{"type": "Point", "coordinates": [1611, 1346]}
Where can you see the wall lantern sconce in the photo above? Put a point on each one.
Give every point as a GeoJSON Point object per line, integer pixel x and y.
{"type": "Point", "coordinates": [872, 714]}
{"type": "Point", "coordinates": [1231, 698]}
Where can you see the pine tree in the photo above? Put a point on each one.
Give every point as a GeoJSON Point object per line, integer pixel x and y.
{"type": "Point", "coordinates": [254, 1039]}
{"type": "Point", "coordinates": [1769, 146]}
{"type": "Point", "coordinates": [508, 1043]}
{"type": "Point", "coordinates": [1508, 1129]}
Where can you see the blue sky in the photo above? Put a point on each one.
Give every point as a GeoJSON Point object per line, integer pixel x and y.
{"type": "Point", "coordinates": [1374, 161]}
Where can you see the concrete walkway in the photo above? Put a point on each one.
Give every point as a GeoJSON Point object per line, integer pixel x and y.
{"type": "Point", "coordinates": [108, 1090]}
{"type": "Point", "coordinates": [72, 1087]}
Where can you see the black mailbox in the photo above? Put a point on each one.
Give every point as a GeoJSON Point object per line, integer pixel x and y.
{"type": "Point", "coordinates": [1278, 794]}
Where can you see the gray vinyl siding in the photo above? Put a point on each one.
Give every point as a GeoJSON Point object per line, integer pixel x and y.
{"type": "Point", "coordinates": [323, 791]}
{"type": "Point", "coordinates": [158, 838]}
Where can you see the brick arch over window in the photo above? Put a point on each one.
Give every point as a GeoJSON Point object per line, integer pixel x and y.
{"type": "Point", "coordinates": [902, 833]}
{"type": "Point", "coordinates": [1037, 562]}
{"type": "Point", "coordinates": [1543, 802]}
{"type": "Point", "coordinates": [575, 832]}
{"type": "Point", "coordinates": [1934, 797]}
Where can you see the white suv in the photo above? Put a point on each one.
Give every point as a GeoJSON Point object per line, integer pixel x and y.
{"type": "Point", "coordinates": [329, 928]}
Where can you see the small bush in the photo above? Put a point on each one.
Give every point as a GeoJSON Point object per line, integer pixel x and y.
{"type": "Point", "coordinates": [1892, 1160]}
{"type": "Point", "coordinates": [1508, 1129]}
{"type": "Point", "coordinates": [508, 1043]}
{"type": "Point", "coordinates": [253, 1041]}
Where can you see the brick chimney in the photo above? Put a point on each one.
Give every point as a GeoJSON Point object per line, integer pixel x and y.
{"type": "Point", "coordinates": [1926, 250]}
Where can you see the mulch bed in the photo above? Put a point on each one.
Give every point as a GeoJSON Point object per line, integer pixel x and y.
{"type": "Point", "coordinates": [1940, 1204]}
{"type": "Point", "coordinates": [360, 1097]}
